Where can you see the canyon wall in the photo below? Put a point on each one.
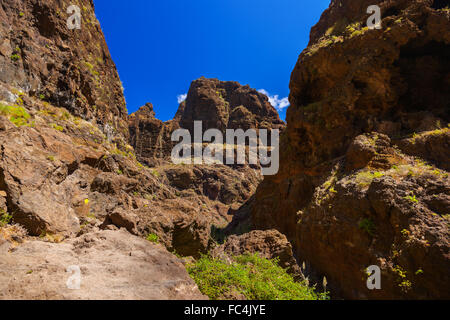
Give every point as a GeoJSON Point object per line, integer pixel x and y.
{"type": "Point", "coordinates": [42, 58]}
{"type": "Point", "coordinates": [364, 160]}
{"type": "Point", "coordinates": [217, 104]}
{"type": "Point", "coordinates": [363, 174]}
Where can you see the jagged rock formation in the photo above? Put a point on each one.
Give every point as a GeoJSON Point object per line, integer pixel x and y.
{"type": "Point", "coordinates": [228, 105]}
{"type": "Point", "coordinates": [42, 58]}
{"type": "Point", "coordinates": [364, 160]}
{"type": "Point", "coordinates": [218, 104]}
{"type": "Point", "coordinates": [150, 137]}
{"type": "Point", "coordinates": [113, 264]}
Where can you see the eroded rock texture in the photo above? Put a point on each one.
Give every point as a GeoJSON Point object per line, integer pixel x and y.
{"type": "Point", "coordinates": [228, 105]}
{"type": "Point", "coordinates": [217, 104]}
{"type": "Point", "coordinates": [269, 244]}
{"type": "Point", "coordinates": [363, 177]}
{"type": "Point", "coordinates": [113, 265]}
{"type": "Point", "coordinates": [41, 57]}
{"type": "Point", "coordinates": [364, 165]}
{"type": "Point", "coordinates": [66, 170]}
{"type": "Point", "coordinates": [150, 137]}
{"type": "Point", "coordinates": [219, 189]}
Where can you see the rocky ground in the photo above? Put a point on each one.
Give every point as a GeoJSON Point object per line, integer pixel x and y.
{"type": "Point", "coordinates": [113, 264]}
{"type": "Point", "coordinates": [363, 173]}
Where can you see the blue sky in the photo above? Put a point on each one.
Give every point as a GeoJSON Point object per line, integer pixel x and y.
{"type": "Point", "coordinates": [159, 47]}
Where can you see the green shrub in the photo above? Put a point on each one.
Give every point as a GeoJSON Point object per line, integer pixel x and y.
{"type": "Point", "coordinates": [153, 238]}
{"type": "Point", "coordinates": [155, 173]}
{"type": "Point", "coordinates": [250, 275]}
{"type": "Point", "coordinates": [17, 115]}
{"type": "Point", "coordinates": [91, 215]}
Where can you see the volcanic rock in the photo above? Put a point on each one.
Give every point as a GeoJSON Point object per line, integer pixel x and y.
{"type": "Point", "coordinates": [363, 174]}
{"type": "Point", "coordinates": [42, 58]}
{"type": "Point", "coordinates": [112, 264]}
{"type": "Point", "coordinates": [269, 244]}
{"type": "Point", "coordinates": [218, 104]}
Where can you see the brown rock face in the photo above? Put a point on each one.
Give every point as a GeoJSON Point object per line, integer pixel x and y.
{"type": "Point", "coordinates": [218, 104]}
{"type": "Point", "coordinates": [113, 265]}
{"type": "Point", "coordinates": [42, 58]}
{"type": "Point", "coordinates": [150, 137]}
{"type": "Point", "coordinates": [66, 172]}
{"type": "Point", "coordinates": [42, 172]}
{"type": "Point", "coordinates": [217, 189]}
{"type": "Point", "coordinates": [364, 160]}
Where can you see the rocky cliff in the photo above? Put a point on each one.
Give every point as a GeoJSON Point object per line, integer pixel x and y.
{"type": "Point", "coordinates": [218, 104]}
{"type": "Point", "coordinates": [68, 179]}
{"type": "Point", "coordinates": [113, 264]}
{"type": "Point", "coordinates": [363, 174]}
{"type": "Point", "coordinates": [364, 165]}
{"type": "Point", "coordinates": [150, 137]}
{"type": "Point", "coordinates": [71, 188]}
{"type": "Point", "coordinates": [228, 105]}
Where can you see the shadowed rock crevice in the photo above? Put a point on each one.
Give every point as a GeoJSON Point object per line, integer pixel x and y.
{"type": "Point", "coordinates": [440, 4]}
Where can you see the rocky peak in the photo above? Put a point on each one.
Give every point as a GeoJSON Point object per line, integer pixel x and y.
{"type": "Point", "coordinates": [218, 104]}
{"type": "Point", "coordinates": [41, 58]}
{"type": "Point", "coordinates": [151, 137]}
{"type": "Point", "coordinates": [366, 129]}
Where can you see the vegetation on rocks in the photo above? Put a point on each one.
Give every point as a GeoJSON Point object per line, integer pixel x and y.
{"type": "Point", "coordinates": [152, 238]}
{"type": "Point", "coordinates": [251, 276]}
{"type": "Point", "coordinates": [390, 179]}
{"type": "Point", "coordinates": [363, 168]}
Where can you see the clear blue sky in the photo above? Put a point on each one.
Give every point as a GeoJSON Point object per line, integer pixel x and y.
{"type": "Point", "coordinates": [159, 47]}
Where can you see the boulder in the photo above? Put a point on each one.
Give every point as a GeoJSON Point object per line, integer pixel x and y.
{"type": "Point", "coordinates": [269, 244]}
{"type": "Point", "coordinates": [112, 265]}
{"type": "Point", "coordinates": [363, 176]}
